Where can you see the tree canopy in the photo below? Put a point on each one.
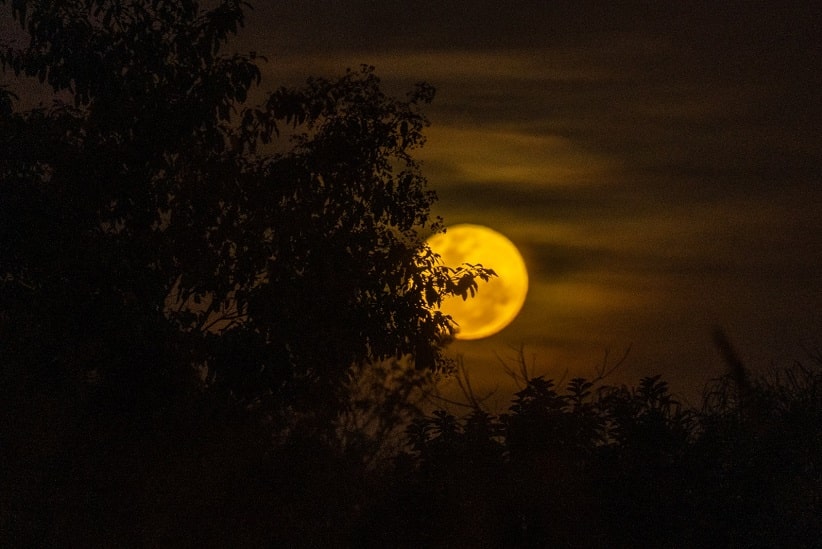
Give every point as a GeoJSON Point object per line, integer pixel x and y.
{"type": "Point", "coordinates": [153, 222]}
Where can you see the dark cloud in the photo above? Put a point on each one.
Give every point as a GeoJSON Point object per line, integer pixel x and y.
{"type": "Point", "coordinates": [717, 28]}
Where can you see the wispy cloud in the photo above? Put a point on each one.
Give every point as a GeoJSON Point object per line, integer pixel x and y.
{"type": "Point", "coordinates": [510, 158]}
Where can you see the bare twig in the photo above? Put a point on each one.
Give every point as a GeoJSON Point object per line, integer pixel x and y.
{"type": "Point", "coordinates": [604, 370]}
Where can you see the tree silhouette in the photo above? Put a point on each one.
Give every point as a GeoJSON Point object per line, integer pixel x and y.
{"type": "Point", "coordinates": [178, 278]}
{"type": "Point", "coordinates": [148, 195]}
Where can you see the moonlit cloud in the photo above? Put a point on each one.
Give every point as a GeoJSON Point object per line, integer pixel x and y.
{"type": "Point", "coordinates": [480, 156]}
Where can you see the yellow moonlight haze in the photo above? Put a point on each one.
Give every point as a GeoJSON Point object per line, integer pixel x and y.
{"type": "Point", "coordinates": [498, 301]}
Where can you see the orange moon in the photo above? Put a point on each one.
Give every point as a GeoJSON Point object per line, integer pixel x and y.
{"type": "Point", "coordinates": [497, 302]}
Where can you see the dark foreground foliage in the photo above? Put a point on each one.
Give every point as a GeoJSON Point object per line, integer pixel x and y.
{"type": "Point", "coordinates": [580, 466]}
{"type": "Point", "coordinates": [616, 467]}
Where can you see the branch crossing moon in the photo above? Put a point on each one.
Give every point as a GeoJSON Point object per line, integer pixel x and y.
{"type": "Point", "coordinates": [497, 302]}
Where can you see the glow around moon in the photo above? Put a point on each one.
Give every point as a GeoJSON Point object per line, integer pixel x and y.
{"type": "Point", "coordinates": [498, 301]}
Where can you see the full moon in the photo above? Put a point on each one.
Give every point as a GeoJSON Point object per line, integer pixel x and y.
{"type": "Point", "coordinates": [498, 301]}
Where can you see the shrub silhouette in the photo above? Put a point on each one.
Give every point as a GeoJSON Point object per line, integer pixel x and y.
{"type": "Point", "coordinates": [594, 466]}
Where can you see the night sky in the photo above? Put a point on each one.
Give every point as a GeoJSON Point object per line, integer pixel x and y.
{"type": "Point", "coordinates": [659, 164]}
